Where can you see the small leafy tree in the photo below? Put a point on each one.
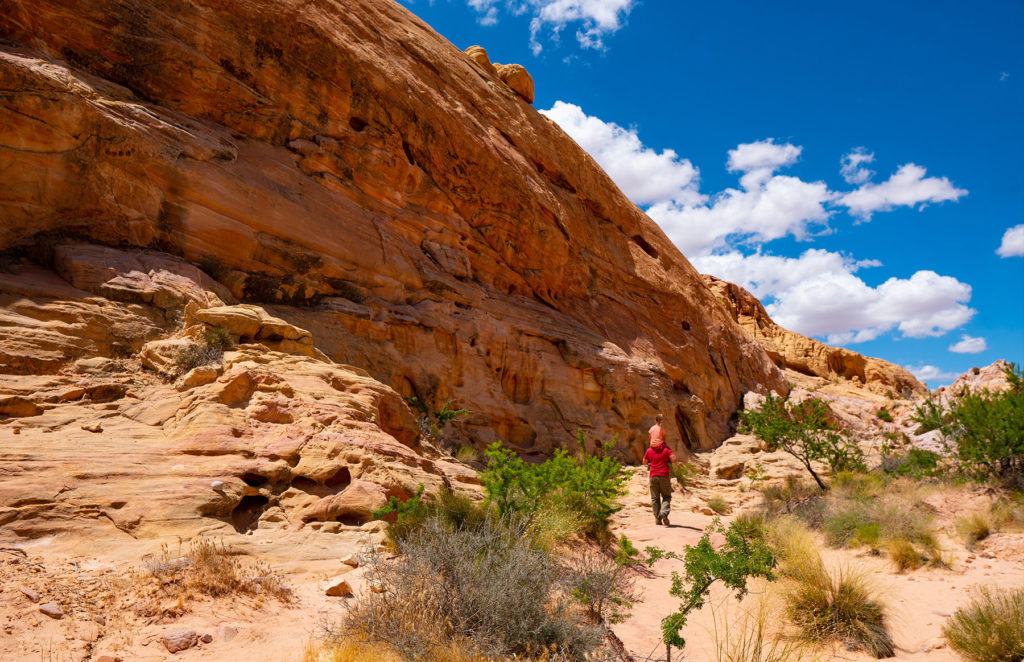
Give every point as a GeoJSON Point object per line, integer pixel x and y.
{"type": "Point", "coordinates": [983, 430]}
{"type": "Point", "coordinates": [745, 554]}
{"type": "Point", "coordinates": [804, 431]}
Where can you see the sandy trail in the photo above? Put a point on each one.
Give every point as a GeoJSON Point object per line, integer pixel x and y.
{"type": "Point", "coordinates": [919, 602]}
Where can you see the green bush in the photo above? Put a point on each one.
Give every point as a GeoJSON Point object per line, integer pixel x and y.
{"type": "Point", "coordinates": [804, 431]}
{"type": "Point", "coordinates": [983, 430]}
{"type": "Point", "coordinates": [884, 415]}
{"type": "Point", "coordinates": [990, 628]}
{"type": "Point", "coordinates": [589, 485]}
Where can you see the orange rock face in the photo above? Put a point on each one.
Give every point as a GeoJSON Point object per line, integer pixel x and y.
{"type": "Point", "coordinates": [357, 176]}
{"type": "Point", "coordinates": [806, 355]}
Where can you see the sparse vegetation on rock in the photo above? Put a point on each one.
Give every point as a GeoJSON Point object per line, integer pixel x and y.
{"type": "Point", "coordinates": [984, 430]}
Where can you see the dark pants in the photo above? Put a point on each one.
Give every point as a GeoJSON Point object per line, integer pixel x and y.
{"type": "Point", "coordinates": [661, 496]}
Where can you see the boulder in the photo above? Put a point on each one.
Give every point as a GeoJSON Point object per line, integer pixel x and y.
{"type": "Point", "coordinates": [479, 55]}
{"type": "Point", "coordinates": [516, 77]}
{"type": "Point", "coordinates": [357, 502]}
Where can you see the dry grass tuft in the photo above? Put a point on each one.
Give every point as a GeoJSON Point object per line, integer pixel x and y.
{"type": "Point", "coordinates": [467, 454]}
{"type": "Point", "coordinates": [170, 582]}
{"type": "Point", "coordinates": [990, 628]}
{"type": "Point", "coordinates": [903, 554]}
{"type": "Point", "coordinates": [975, 527]}
{"type": "Point", "coordinates": [753, 639]}
{"type": "Point", "coordinates": [827, 605]}
{"type": "Point", "coordinates": [718, 505]}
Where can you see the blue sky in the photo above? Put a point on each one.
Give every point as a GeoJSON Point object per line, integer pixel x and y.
{"type": "Point", "coordinates": [731, 123]}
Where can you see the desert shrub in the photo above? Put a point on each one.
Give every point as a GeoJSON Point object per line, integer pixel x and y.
{"type": "Point", "coordinates": [718, 505]}
{"type": "Point", "coordinates": [861, 513]}
{"type": "Point", "coordinates": [682, 472]}
{"type": "Point", "coordinates": [602, 583]}
{"type": "Point", "coordinates": [851, 524]}
{"type": "Point", "coordinates": [983, 430]}
{"type": "Point", "coordinates": [204, 569]}
{"type": "Point", "coordinates": [446, 414]}
{"type": "Point", "coordinates": [804, 431]}
{"type": "Point", "coordinates": [1008, 512]}
{"type": "Point", "coordinates": [974, 527]}
{"type": "Point", "coordinates": [408, 516]}
{"type": "Point", "coordinates": [990, 628]}
{"type": "Point", "coordinates": [588, 484]}
{"type": "Point", "coordinates": [858, 484]}
{"type": "Point", "coordinates": [884, 415]}
{"type": "Point", "coordinates": [218, 338]}
{"type": "Point", "coordinates": [745, 554]}
{"type": "Point", "coordinates": [484, 586]}
{"type": "Point", "coordinates": [432, 424]}
{"type": "Point", "coordinates": [916, 463]}
{"type": "Point", "coordinates": [794, 497]}
{"type": "Point", "coordinates": [467, 454]}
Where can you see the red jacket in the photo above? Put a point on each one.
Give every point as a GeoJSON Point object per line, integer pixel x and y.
{"type": "Point", "coordinates": [659, 458]}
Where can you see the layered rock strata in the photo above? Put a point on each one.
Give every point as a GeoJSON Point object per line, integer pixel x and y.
{"type": "Point", "coordinates": [806, 355]}
{"type": "Point", "coordinates": [346, 168]}
{"type": "Point", "coordinates": [266, 434]}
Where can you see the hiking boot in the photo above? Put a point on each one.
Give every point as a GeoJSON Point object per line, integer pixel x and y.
{"type": "Point", "coordinates": [664, 520]}
{"type": "Point", "coordinates": [657, 520]}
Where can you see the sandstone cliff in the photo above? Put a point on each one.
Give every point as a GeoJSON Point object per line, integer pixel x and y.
{"type": "Point", "coordinates": [271, 434]}
{"type": "Point", "coordinates": [358, 176]}
{"type": "Point", "coordinates": [806, 355]}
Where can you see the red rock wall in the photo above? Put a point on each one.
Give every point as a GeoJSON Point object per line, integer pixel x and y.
{"type": "Point", "coordinates": [344, 162]}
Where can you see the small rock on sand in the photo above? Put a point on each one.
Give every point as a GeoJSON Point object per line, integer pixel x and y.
{"type": "Point", "coordinates": [179, 640]}
{"type": "Point", "coordinates": [30, 594]}
{"type": "Point", "coordinates": [52, 609]}
{"type": "Point", "coordinates": [336, 586]}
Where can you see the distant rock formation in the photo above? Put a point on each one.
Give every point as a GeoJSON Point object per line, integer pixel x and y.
{"type": "Point", "coordinates": [353, 174]}
{"type": "Point", "coordinates": [806, 355]}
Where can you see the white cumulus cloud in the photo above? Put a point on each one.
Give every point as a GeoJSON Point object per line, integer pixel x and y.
{"type": "Point", "coordinates": [643, 174]}
{"type": "Point", "coordinates": [969, 345]}
{"type": "Point", "coordinates": [819, 294]}
{"type": "Point", "coordinates": [852, 166]}
{"type": "Point", "coordinates": [766, 209]}
{"type": "Point", "coordinates": [595, 18]}
{"type": "Point", "coordinates": [931, 373]}
{"type": "Point", "coordinates": [908, 186]}
{"type": "Point", "coordinates": [1013, 242]}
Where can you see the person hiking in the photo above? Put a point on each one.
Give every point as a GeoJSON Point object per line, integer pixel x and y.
{"type": "Point", "coordinates": [660, 457]}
